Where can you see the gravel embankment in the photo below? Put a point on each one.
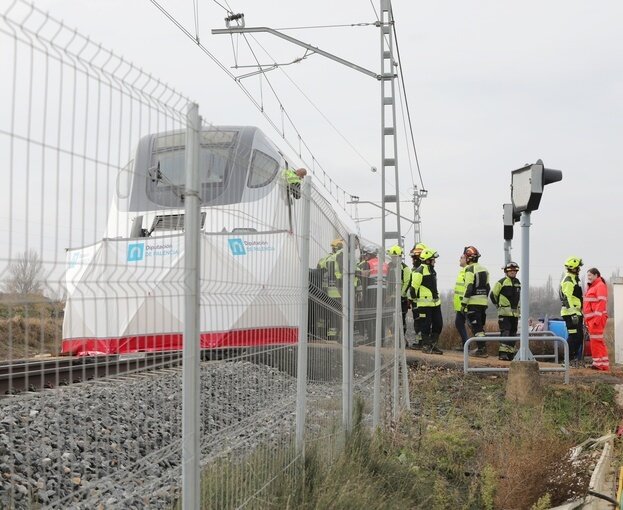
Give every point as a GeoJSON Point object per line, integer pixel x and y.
{"type": "Point", "coordinates": [117, 444]}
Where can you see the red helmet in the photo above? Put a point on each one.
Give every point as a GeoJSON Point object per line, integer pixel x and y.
{"type": "Point", "coordinates": [471, 253]}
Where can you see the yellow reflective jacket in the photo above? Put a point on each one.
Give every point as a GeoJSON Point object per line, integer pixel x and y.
{"type": "Point", "coordinates": [424, 287]}
{"type": "Point", "coordinates": [459, 290]}
{"type": "Point", "coordinates": [476, 285]}
{"type": "Point", "coordinates": [570, 295]}
{"type": "Point", "coordinates": [506, 295]}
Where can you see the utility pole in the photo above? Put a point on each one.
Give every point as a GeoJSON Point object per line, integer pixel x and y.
{"type": "Point", "coordinates": [389, 140]}
{"type": "Point", "coordinates": [418, 195]}
{"type": "Point", "coordinates": [386, 77]}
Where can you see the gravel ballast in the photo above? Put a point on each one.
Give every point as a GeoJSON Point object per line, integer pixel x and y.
{"type": "Point", "coordinates": [117, 443]}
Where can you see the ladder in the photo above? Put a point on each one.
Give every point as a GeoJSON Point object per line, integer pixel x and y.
{"type": "Point", "coordinates": [390, 232]}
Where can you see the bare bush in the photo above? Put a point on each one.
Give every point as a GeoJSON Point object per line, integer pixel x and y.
{"type": "Point", "coordinates": [24, 274]}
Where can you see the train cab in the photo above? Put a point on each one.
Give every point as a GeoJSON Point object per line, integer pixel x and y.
{"type": "Point", "coordinates": [241, 185]}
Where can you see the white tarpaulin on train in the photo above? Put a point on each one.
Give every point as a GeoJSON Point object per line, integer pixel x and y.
{"type": "Point", "coordinates": [128, 294]}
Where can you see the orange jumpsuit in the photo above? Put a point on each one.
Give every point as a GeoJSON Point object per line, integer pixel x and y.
{"type": "Point", "coordinates": [595, 317]}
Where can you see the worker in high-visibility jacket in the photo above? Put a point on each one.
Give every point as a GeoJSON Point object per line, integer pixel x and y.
{"type": "Point", "coordinates": [459, 290]}
{"type": "Point", "coordinates": [405, 282]}
{"type": "Point", "coordinates": [505, 295]}
{"type": "Point", "coordinates": [416, 262]}
{"type": "Point", "coordinates": [595, 317]}
{"type": "Point", "coordinates": [293, 180]}
{"type": "Point", "coordinates": [331, 274]}
{"type": "Point", "coordinates": [475, 299]}
{"type": "Point", "coordinates": [571, 298]}
{"type": "Point", "coordinates": [425, 294]}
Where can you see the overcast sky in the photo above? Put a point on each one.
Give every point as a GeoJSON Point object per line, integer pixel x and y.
{"type": "Point", "coordinates": [491, 85]}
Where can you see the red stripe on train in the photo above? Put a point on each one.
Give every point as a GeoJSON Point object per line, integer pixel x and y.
{"type": "Point", "coordinates": [174, 341]}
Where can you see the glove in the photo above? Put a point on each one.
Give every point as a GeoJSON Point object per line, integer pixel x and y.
{"type": "Point", "coordinates": [575, 320]}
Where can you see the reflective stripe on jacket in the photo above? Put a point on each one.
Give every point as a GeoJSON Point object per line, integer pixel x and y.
{"type": "Point", "coordinates": [332, 276]}
{"type": "Point", "coordinates": [596, 306]}
{"type": "Point", "coordinates": [476, 285]}
{"type": "Point", "coordinates": [459, 290]}
{"type": "Point", "coordinates": [424, 287]}
{"type": "Point", "coordinates": [505, 295]}
{"type": "Point", "coordinates": [570, 295]}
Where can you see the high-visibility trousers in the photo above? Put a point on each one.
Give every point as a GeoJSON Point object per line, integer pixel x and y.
{"type": "Point", "coordinates": [599, 351]}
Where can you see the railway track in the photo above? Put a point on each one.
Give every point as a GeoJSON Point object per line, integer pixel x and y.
{"type": "Point", "coordinates": [33, 375]}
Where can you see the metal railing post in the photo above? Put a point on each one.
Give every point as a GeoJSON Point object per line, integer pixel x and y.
{"type": "Point", "coordinates": [397, 329]}
{"type": "Point", "coordinates": [378, 342]}
{"type": "Point", "coordinates": [190, 372]}
{"type": "Point", "coordinates": [301, 367]}
{"type": "Point", "coordinates": [347, 369]}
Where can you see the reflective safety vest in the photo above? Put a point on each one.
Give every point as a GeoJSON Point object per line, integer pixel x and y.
{"type": "Point", "coordinates": [332, 274]}
{"type": "Point", "coordinates": [476, 285]}
{"type": "Point", "coordinates": [506, 295]}
{"type": "Point", "coordinates": [291, 177]}
{"type": "Point", "coordinates": [424, 287]}
{"type": "Point", "coordinates": [406, 280]}
{"type": "Point", "coordinates": [459, 290]}
{"type": "Point", "coordinates": [570, 295]}
{"type": "Point", "coordinates": [374, 271]}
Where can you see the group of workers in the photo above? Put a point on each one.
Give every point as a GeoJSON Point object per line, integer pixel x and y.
{"type": "Point", "coordinates": [472, 293]}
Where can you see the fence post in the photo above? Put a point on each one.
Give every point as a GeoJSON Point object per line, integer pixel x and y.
{"type": "Point", "coordinates": [190, 370]}
{"type": "Point", "coordinates": [347, 369]}
{"type": "Point", "coordinates": [376, 405]}
{"type": "Point", "coordinates": [301, 367]}
{"type": "Point", "coordinates": [352, 265]}
{"type": "Point", "coordinates": [397, 267]}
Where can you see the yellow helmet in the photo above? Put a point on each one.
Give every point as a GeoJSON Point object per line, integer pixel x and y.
{"type": "Point", "coordinates": [395, 250]}
{"type": "Point", "coordinates": [573, 263]}
{"type": "Point", "coordinates": [427, 254]}
{"type": "Point", "coordinates": [417, 249]}
{"type": "Point", "coordinates": [337, 243]}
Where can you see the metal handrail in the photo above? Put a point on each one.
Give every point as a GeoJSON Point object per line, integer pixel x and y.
{"type": "Point", "coordinates": [543, 336]}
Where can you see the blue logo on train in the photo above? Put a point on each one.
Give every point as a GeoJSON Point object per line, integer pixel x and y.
{"type": "Point", "coordinates": [136, 252]}
{"type": "Point", "coordinates": [237, 246]}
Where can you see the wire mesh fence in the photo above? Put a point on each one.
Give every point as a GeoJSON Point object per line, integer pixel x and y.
{"type": "Point", "coordinates": [95, 293]}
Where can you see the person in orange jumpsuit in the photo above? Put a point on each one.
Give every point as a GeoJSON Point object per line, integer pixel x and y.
{"type": "Point", "coordinates": [595, 310]}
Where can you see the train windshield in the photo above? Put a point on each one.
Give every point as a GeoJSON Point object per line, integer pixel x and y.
{"type": "Point", "coordinates": [166, 176]}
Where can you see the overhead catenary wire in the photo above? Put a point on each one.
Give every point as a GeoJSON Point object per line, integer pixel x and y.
{"type": "Point", "coordinates": [404, 91]}
{"type": "Point", "coordinates": [322, 114]}
{"type": "Point", "coordinates": [345, 25]}
{"type": "Point", "coordinates": [272, 123]}
{"type": "Point", "coordinates": [262, 71]}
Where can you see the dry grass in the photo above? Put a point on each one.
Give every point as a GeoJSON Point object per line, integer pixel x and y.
{"type": "Point", "coordinates": [29, 325]}
{"type": "Point", "coordinates": [463, 446]}
{"type": "Point", "coordinates": [450, 338]}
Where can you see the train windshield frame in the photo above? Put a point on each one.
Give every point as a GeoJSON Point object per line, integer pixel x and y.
{"type": "Point", "coordinates": [166, 176]}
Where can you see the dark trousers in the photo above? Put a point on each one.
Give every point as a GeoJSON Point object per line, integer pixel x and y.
{"type": "Point", "coordinates": [576, 335]}
{"type": "Point", "coordinates": [508, 327]}
{"type": "Point", "coordinates": [404, 305]}
{"type": "Point", "coordinates": [417, 327]}
{"type": "Point", "coordinates": [477, 316]}
{"type": "Point", "coordinates": [459, 324]}
{"type": "Point", "coordinates": [431, 323]}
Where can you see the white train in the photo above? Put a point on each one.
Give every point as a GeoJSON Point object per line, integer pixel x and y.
{"type": "Point", "coordinates": [126, 292]}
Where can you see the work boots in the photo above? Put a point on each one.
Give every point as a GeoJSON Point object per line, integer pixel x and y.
{"type": "Point", "coordinates": [429, 345]}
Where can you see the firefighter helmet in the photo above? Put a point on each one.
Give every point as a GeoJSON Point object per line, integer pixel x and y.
{"type": "Point", "coordinates": [511, 266]}
{"type": "Point", "coordinates": [368, 251]}
{"type": "Point", "coordinates": [337, 244]}
{"type": "Point", "coordinates": [428, 254]}
{"type": "Point", "coordinates": [395, 250]}
{"type": "Point", "coordinates": [417, 249]}
{"type": "Point", "coordinates": [573, 263]}
{"type": "Point", "coordinates": [471, 253]}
